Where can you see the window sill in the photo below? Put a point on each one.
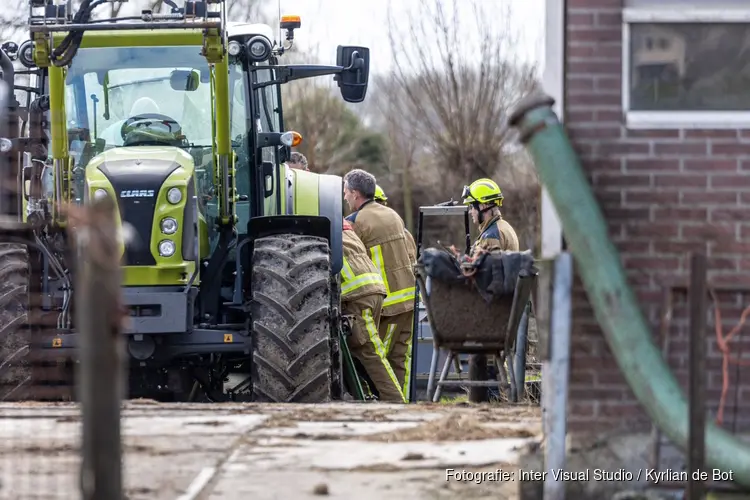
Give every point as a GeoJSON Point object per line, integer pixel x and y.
{"type": "Point", "coordinates": [716, 120]}
{"type": "Point", "coordinates": [691, 14]}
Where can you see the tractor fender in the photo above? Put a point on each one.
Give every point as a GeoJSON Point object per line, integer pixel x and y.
{"type": "Point", "coordinates": [330, 201]}
{"type": "Point", "coordinates": [314, 206]}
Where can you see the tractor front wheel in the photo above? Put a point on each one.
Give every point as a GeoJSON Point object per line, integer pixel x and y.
{"type": "Point", "coordinates": [293, 341]}
{"type": "Point", "coordinates": [15, 372]}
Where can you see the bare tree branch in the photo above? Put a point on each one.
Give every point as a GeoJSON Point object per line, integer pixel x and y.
{"type": "Point", "coordinates": [458, 88]}
{"type": "Point", "coordinates": [457, 73]}
{"type": "Point", "coordinates": [334, 137]}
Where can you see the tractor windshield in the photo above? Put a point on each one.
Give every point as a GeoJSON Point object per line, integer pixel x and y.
{"type": "Point", "coordinates": [128, 96]}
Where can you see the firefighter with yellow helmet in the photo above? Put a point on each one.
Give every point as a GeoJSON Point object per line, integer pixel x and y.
{"type": "Point", "coordinates": [382, 231]}
{"type": "Point", "coordinates": [362, 294]}
{"type": "Point", "coordinates": [484, 199]}
{"type": "Point", "coordinates": [411, 245]}
{"type": "Point", "coordinates": [380, 196]}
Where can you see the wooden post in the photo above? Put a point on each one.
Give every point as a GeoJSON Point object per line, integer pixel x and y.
{"type": "Point", "coordinates": [542, 306]}
{"type": "Point", "coordinates": [664, 329]}
{"type": "Point", "coordinates": [697, 374]}
{"type": "Point", "coordinates": [99, 319]}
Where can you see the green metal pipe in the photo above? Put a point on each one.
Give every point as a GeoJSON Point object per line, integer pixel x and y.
{"type": "Point", "coordinates": [616, 308]}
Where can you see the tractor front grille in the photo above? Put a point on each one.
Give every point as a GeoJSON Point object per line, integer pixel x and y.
{"type": "Point", "coordinates": [139, 213]}
{"type": "Point", "coordinates": [137, 185]}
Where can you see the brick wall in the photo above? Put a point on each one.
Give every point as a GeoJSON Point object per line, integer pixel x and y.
{"type": "Point", "coordinates": [664, 193]}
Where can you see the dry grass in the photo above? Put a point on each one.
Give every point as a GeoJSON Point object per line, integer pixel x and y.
{"type": "Point", "coordinates": [454, 427]}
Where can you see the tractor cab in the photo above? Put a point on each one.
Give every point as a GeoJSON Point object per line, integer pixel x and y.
{"type": "Point", "coordinates": [178, 119]}
{"type": "Point", "coordinates": [141, 128]}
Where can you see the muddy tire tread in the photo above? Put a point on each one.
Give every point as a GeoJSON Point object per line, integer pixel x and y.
{"type": "Point", "coordinates": [291, 340]}
{"type": "Point", "coordinates": [14, 305]}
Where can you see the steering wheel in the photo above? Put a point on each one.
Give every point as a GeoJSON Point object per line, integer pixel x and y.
{"type": "Point", "coordinates": [139, 123]}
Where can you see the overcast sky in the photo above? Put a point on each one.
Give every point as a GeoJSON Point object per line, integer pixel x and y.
{"type": "Point", "coordinates": [327, 23]}
{"type": "Point", "coordinates": [365, 22]}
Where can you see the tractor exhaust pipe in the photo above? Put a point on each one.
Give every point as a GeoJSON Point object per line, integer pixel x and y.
{"type": "Point", "coordinates": [9, 196]}
{"type": "Point", "coordinates": [9, 72]}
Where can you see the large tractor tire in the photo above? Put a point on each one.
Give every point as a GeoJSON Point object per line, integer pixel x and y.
{"type": "Point", "coordinates": [15, 371]}
{"type": "Point", "coordinates": [293, 339]}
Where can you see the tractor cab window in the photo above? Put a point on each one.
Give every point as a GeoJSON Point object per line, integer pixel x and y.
{"type": "Point", "coordinates": [238, 131]}
{"type": "Point", "coordinates": [238, 112]}
{"type": "Point", "coordinates": [267, 113]}
{"type": "Point", "coordinates": [139, 96]}
{"type": "Point", "coordinates": [267, 120]}
{"type": "Point", "coordinates": [251, 113]}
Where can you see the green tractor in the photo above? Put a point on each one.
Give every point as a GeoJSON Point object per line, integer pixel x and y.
{"type": "Point", "coordinates": [231, 267]}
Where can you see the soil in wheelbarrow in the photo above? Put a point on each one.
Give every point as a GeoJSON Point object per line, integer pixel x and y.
{"type": "Point", "coordinates": [460, 314]}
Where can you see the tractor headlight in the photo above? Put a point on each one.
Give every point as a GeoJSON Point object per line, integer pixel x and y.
{"type": "Point", "coordinates": [234, 48]}
{"type": "Point", "coordinates": [26, 54]}
{"type": "Point", "coordinates": [100, 194]}
{"type": "Point", "coordinates": [166, 248]}
{"type": "Point", "coordinates": [168, 225]}
{"type": "Point", "coordinates": [174, 196]}
{"type": "Point", "coordinates": [258, 48]}
{"type": "Point", "coordinates": [6, 145]}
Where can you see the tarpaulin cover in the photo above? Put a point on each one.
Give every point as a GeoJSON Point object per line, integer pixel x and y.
{"type": "Point", "coordinates": [495, 274]}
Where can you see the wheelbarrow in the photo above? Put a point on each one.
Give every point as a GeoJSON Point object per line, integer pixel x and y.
{"type": "Point", "coordinates": [463, 322]}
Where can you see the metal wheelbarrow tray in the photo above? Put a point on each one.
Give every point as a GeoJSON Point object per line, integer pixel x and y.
{"type": "Point", "coordinates": [463, 322]}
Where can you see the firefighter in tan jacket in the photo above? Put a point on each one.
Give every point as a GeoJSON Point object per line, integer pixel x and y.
{"type": "Point", "coordinates": [381, 198]}
{"type": "Point", "coordinates": [382, 232]}
{"type": "Point", "coordinates": [484, 199]}
{"type": "Point", "coordinates": [362, 295]}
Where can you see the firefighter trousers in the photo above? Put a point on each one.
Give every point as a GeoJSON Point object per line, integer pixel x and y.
{"type": "Point", "coordinates": [396, 334]}
{"type": "Point", "coordinates": [366, 345]}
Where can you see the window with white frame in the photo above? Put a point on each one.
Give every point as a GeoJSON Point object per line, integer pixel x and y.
{"type": "Point", "coordinates": [686, 63]}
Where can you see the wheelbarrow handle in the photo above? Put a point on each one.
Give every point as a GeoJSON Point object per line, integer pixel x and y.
{"type": "Point", "coordinates": [449, 203]}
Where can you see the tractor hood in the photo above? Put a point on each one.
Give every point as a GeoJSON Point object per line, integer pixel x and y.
{"type": "Point", "coordinates": [141, 160]}
{"type": "Point", "coordinates": [139, 178]}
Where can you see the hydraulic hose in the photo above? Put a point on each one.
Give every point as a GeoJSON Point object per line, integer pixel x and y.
{"type": "Point", "coordinates": [9, 76]}
{"type": "Point", "coordinates": [63, 55]}
{"type": "Point", "coordinates": [615, 306]}
{"type": "Point", "coordinates": [9, 72]}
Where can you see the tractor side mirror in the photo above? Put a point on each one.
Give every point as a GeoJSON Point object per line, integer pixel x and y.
{"type": "Point", "coordinates": [353, 78]}
{"type": "Point", "coordinates": [186, 81]}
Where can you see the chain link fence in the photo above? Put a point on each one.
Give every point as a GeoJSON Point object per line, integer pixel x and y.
{"type": "Point", "coordinates": [59, 398]}
{"type": "Point", "coordinates": [60, 405]}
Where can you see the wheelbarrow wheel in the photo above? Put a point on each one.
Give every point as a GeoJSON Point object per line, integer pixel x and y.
{"type": "Point", "coordinates": [478, 372]}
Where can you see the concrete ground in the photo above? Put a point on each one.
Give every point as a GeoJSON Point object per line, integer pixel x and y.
{"type": "Point", "coordinates": [337, 451]}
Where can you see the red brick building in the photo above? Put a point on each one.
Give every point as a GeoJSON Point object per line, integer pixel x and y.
{"type": "Point", "coordinates": [655, 95]}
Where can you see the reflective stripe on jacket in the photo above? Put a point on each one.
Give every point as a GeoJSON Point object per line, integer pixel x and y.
{"type": "Point", "coordinates": [359, 276]}
{"type": "Point", "coordinates": [383, 233]}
